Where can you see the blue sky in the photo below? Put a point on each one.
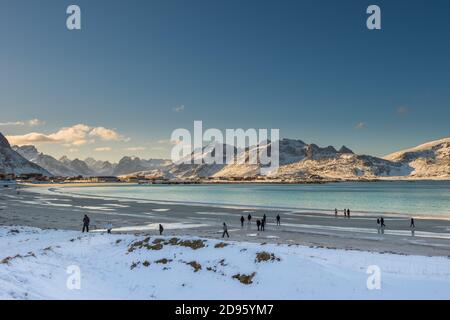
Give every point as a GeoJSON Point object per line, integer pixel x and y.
{"type": "Point", "coordinates": [144, 68]}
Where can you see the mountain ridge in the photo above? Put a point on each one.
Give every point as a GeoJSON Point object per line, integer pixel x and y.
{"type": "Point", "coordinates": [12, 162]}
{"type": "Point", "coordinates": [298, 161]}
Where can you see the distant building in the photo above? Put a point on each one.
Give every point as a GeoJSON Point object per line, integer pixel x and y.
{"type": "Point", "coordinates": [32, 177]}
{"type": "Point", "coordinates": [104, 179]}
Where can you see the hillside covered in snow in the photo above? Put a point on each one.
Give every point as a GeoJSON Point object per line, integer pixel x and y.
{"type": "Point", "coordinates": [300, 161]}
{"type": "Point", "coordinates": [431, 159]}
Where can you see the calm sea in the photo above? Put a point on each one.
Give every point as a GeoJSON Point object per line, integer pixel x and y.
{"type": "Point", "coordinates": [427, 198]}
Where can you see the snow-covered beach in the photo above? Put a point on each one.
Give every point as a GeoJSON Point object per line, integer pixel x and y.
{"type": "Point", "coordinates": [310, 256]}
{"type": "Point", "coordinates": [52, 264]}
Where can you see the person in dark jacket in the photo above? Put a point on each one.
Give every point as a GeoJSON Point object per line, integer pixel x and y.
{"type": "Point", "coordinates": [161, 229]}
{"type": "Point", "coordinates": [412, 226]}
{"type": "Point", "coordinates": [382, 225]}
{"type": "Point", "coordinates": [278, 220]}
{"type": "Point", "coordinates": [263, 224]}
{"type": "Point", "coordinates": [108, 227]}
{"type": "Point", "coordinates": [242, 221]}
{"type": "Point", "coordinates": [264, 217]}
{"type": "Point", "coordinates": [348, 213]}
{"type": "Point", "coordinates": [86, 222]}
{"type": "Point", "coordinates": [225, 230]}
{"type": "Point", "coordinates": [249, 218]}
{"type": "Point", "coordinates": [258, 224]}
{"type": "Point", "coordinates": [335, 212]}
{"type": "Point", "coordinates": [378, 225]}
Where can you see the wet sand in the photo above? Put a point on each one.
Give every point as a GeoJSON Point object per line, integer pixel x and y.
{"type": "Point", "coordinates": [52, 210]}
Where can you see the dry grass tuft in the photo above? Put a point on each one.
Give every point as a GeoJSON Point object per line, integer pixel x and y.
{"type": "Point", "coordinates": [266, 256]}
{"type": "Point", "coordinates": [221, 245]}
{"type": "Point", "coordinates": [195, 265]}
{"type": "Point", "coordinates": [244, 278]}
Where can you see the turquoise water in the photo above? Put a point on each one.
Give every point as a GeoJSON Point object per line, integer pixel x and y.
{"type": "Point", "coordinates": [427, 198]}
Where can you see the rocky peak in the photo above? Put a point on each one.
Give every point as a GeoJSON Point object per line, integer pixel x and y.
{"type": "Point", "coordinates": [4, 142]}
{"type": "Point", "coordinates": [344, 149]}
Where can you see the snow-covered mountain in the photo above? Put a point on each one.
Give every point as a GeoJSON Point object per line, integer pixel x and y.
{"type": "Point", "coordinates": [298, 161]}
{"type": "Point", "coordinates": [78, 166]}
{"type": "Point", "coordinates": [13, 162]}
{"type": "Point", "coordinates": [102, 168]}
{"type": "Point", "coordinates": [129, 165]}
{"type": "Point", "coordinates": [89, 167]}
{"type": "Point", "coordinates": [428, 160]}
{"type": "Point", "coordinates": [54, 166]}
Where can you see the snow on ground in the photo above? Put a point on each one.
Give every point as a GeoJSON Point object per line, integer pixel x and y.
{"type": "Point", "coordinates": [34, 262]}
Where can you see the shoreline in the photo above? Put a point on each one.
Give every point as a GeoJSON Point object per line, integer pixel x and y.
{"type": "Point", "coordinates": [50, 188]}
{"type": "Point", "coordinates": [63, 211]}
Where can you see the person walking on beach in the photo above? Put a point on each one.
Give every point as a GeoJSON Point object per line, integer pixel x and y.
{"type": "Point", "coordinates": [263, 224]}
{"type": "Point", "coordinates": [348, 213]}
{"type": "Point", "coordinates": [258, 224]}
{"type": "Point", "coordinates": [242, 221]}
{"type": "Point", "coordinates": [108, 227]}
{"type": "Point", "coordinates": [278, 220]}
{"type": "Point", "coordinates": [378, 226]}
{"type": "Point", "coordinates": [86, 222]}
{"type": "Point", "coordinates": [382, 225]}
{"type": "Point", "coordinates": [335, 212]}
{"type": "Point", "coordinates": [249, 217]}
{"type": "Point", "coordinates": [345, 213]}
{"type": "Point", "coordinates": [161, 229]}
{"type": "Point", "coordinates": [225, 230]}
{"type": "Point", "coordinates": [412, 226]}
{"type": "Point", "coordinates": [264, 217]}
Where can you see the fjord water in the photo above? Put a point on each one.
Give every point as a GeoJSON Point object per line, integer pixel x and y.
{"type": "Point", "coordinates": [419, 198]}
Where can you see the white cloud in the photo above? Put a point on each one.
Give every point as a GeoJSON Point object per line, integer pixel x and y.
{"type": "Point", "coordinates": [107, 134]}
{"type": "Point", "coordinates": [31, 123]}
{"type": "Point", "coordinates": [35, 122]}
{"type": "Point", "coordinates": [75, 136]}
{"type": "Point", "coordinates": [169, 142]}
{"type": "Point", "coordinates": [136, 149]}
{"type": "Point", "coordinates": [29, 138]}
{"type": "Point", "coordinates": [7, 124]}
{"type": "Point", "coordinates": [361, 125]}
{"type": "Point", "coordinates": [102, 149]}
{"type": "Point", "coordinates": [179, 108]}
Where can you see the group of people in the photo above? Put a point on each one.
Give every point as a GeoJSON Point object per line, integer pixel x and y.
{"type": "Point", "coordinates": [260, 223]}
{"type": "Point", "coordinates": [346, 213]}
{"type": "Point", "coordinates": [380, 222]}
{"type": "Point", "coordinates": [381, 226]}
{"type": "Point", "coordinates": [108, 226]}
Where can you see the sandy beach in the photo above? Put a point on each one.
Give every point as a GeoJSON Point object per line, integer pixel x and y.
{"type": "Point", "coordinates": [42, 208]}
